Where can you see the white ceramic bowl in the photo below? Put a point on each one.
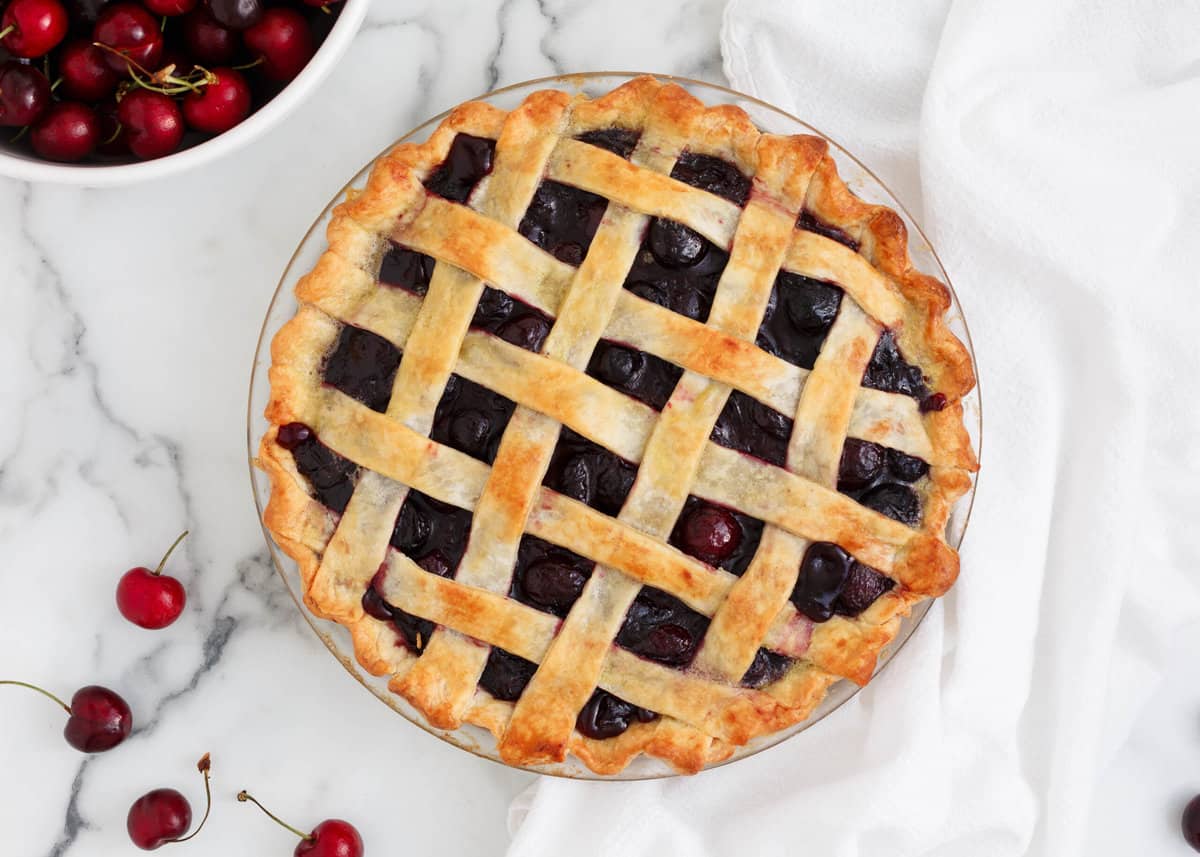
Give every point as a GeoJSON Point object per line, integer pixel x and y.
{"type": "Point", "coordinates": [19, 163]}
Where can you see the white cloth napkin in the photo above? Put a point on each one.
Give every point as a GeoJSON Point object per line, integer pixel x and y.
{"type": "Point", "coordinates": [1052, 152]}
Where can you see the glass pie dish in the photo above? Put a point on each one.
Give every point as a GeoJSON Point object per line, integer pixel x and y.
{"type": "Point", "coordinates": [283, 306]}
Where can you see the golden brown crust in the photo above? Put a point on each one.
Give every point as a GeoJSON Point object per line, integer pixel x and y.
{"type": "Point", "coordinates": [706, 712]}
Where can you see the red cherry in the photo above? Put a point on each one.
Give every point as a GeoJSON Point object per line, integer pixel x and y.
{"type": "Point", "coordinates": [150, 599]}
{"type": "Point", "coordinates": [220, 105]}
{"type": "Point", "coordinates": [131, 34]}
{"type": "Point", "coordinates": [284, 42]}
{"type": "Point", "coordinates": [24, 94]}
{"type": "Point", "coordinates": [85, 73]}
{"type": "Point", "coordinates": [1190, 823]}
{"type": "Point", "coordinates": [207, 41]}
{"type": "Point", "coordinates": [67, 131]}
{"type": "Point", "coordinates": [710, 533]}
{"type": "Point", "coordinates": [153, 123]}
{"type": "Point", "coordinates": [170, 8]}
{"type": "Point", "coordinates": [114, 139]}
{"type": "Point", "coordinates": [164, 815]}
{"type": "Point", "coordinates": [331, 838]}
{"type": "Point", "coordinates": [31, 28]}
{"type": "Point", "coordinates": [99, 718]}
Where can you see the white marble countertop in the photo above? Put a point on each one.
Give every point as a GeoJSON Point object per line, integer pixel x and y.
{"type": "Point", "coordinates": [130, 323]}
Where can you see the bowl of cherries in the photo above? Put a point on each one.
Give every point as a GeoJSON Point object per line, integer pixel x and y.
{"type": "Point", "coordinates": [104, 92]}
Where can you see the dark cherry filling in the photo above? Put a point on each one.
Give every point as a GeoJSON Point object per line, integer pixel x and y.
{"type": "Point", "coordinates": [888, 371]}
{"type": "Point", "coordinates": [562, 220]}
{"type": "Point", "coordinates": [767, 667]}
{"type": "Point", "coordinates": [406, 269]}
{"type": "Point", "coordinates": [468, 161]}
{"type": "Point", "coordinates": [619, 141]}
{"type": "Point", "coordinates": [363, 366]}
{"type": "Point", "coordinates": [714, 175]}
{"type": "Point", "coordinates": [548, 577]}
{"type": "Point", "coordinates": [799, 314]}
{"type": "Point", "coordinates": [506, 675]}
{"type": "Point", "coordinates": [332, 477]}
{"type": "Point", "coordinates": [662, 628]}
{"type": "Point", "coordinates": [607, 716]}
{"type": "Point", "coordinates": [647, 378]}
{"type": "Point", "coordinates": [677, 268]}
{"type": "Point", "coordinates": [879, 477]}
{"type": "Point", "coordinates": [831, 581]}
{"type": "Point", "coordinates": [809, 222]}
{"type": "Point", "coordinates": [589, 473]}
{"type": "Point", "coordinates": [717, 535]}
{"type": "Point", "coordinates": [471, 418]}
{"type": "Point", "coordinates": [434, 534]}
{"type": "Point", "coordinates": [512, 320]}
{"type": "Point", "coordinates": [749, 426]}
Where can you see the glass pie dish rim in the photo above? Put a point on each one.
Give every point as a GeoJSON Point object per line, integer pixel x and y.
{"type": "Point", "coordinates": [841, 692]}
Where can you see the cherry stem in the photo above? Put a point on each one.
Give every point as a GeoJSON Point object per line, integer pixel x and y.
{"type": "Point", "coordinates": [203, 767]}
{"type": "Point", "coordinates": [66, 707]}
{"type": "Point", "coordinates": [8, 31]}
{"type": "Point", "coordinates": [167, 555]}
{"type": "Point", "coordinates": [244, 796]}
{"type": "Point", "coordinates": [245, 66]}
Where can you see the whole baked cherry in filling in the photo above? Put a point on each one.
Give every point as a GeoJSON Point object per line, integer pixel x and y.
{"type": "Point", "coordinates": [589, 473]}
{"type": "Point", "coordinates": [434, 534]}
{"type": "Point", "coordinates": [363, 366]}
{"type": "Point", "coordinates": [471, 418]}
{"type": "Point", "coordinates": [890, 372]}
{"type": "Point", "coordinates": [512, 320]}
{"type": "Point", "coordinates": [677, 268]}
{"type": "Point", "coordinates": [768, 667]}
{"type": "Point", "coordinates": [620, 141]}
{"type": "Point", "coordinates": [809, 222]}
{"type": "Point", "coordinates": [662, 628]}
{"type": "Point", "coordinates": [549, 577]}
{"type": "Point", "coordinates": [714, 175]}
{"type": "Point", "coordinates": [831, 581]}
{"type": "Point", "coordinates": [468, 161]}
{"type": "Point", "coordinates": [607, 716]}
{"type": "Point", "coordinates": [647, 378]}
{"type": "Point", "coordinates": [331, 477]}
{"type": "Point", "coordinates": [800, 312]}
{"type": "Point", "coordinates": [406, 269]}
{"type": "Point", "coordinates": [505, 674]}
{"type": "Point", "coordinates": [879, 477]}
{"type": "Point", "coordinates": [717, 535]}
{"type": "Point", "coordinates": [562, 220]}
{"type": "Point", "coordinates": [749, 426]}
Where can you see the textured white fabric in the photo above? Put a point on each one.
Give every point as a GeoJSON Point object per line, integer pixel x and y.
{"type": "Point", "coordinates": [1052, 152]}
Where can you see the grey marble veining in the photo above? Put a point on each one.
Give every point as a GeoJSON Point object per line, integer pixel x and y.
{"type": "Point", "coordinates": [130, 321]}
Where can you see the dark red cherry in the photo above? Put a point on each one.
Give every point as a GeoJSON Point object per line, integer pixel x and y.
{"type": "Point", "coordinates": [130, 33]}
{"type": "Point", "coordinates": [114, 138]}
{"type": "Point", "coordinates": [237, 14]}
{"type": "Point", "coordinates": [435, 562]}
{"type": "Point", "coordinates": [822, 575]}
{"type": "Point", "coordinates": [606, 716]}
{"type": "Point", "coordinates": [85, 73]}
{"type": "Point", "coordinates": [553, 584]}
{"type": "Point", "coordinates": [151, 599]}
{"type": "Point", "coordinates": [710, 533]}
{"type": "Point", "coordinates": [164, 815]}
{"type": "Point", "coordinates": [505, 675]}
{"type": "Point", "coordinates": [898, 502]}
{"type": "Point", "coordinates": [67, 131]}
{"type": "Point", "coordinates": [528, 332]}
{"type": "Point", "coordinates": [292, 435]}
{"type": "Point", "coordinates": [32, 28]}
{"type": "Point", "coordinates": [669, 644]}
{"type": "Point", "coordinates": [170, 8]}
{"type": "Point", "coordinates": [863, 585]}
{"type": "Point", "coordinates": [331, 838]}
{"type": "Point", "coordinates": [862, 462]}
{"type": "Point", "coordinates": [284, 42]}
{"type": "Point", "coordinates": [906, 468]}
{"type": "Point", "coordinates": [99, 719]}
{"type": "Point", "coordinates": [674, 245]}
{"type": "Point", "coordinates": [1190, 823]}
{"type": "Point", "coordinates": [207, 41]}
{"type": "Point", "coordinates": [220, 105]}
{"type": "Point", "coordinates": [153, 121]}
{"type": "Point", "coordinates": [24, 94]}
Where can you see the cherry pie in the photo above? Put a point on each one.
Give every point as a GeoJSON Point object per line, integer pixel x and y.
{"type": "Point", "coordinates": [616, 426]}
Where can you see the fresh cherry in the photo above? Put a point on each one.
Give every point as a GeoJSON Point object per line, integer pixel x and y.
{"type": "Point", "coordinates": [153, 121]}
{"type": "Point", "coordinates": [131, 35]}
{"type": "Point", "coordinates": [24, 94]}
{"type": "Point", "coordinates": [164, 815]}
{"type": "Point", "coordinates": [331, 838]}
{"type": "Point", "coordinates": [150, 599]}
{"type": "Point", "coordinates": [86, 75]}
{"type": "Point", "coordinates": [1191, 823]}
{"type": "Point", "coordinates": [237, 14]}
{"type": "Point", "coordinates": [284, 42]}
{"type": "Point", "coordinates": [99, 719]}
{"type": "Point", "coordinates": [207, 41]}
{"type": "Point", "coordinates": [220, 105]}
{"type": "Point", "coordinates": [170, 8]}
{"type": "Point", "coordinates": [67, 131]}
{"type": "Point", "coordinates": [32, 28]}
{"type": "Point", "coordinates": [114, 139]}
